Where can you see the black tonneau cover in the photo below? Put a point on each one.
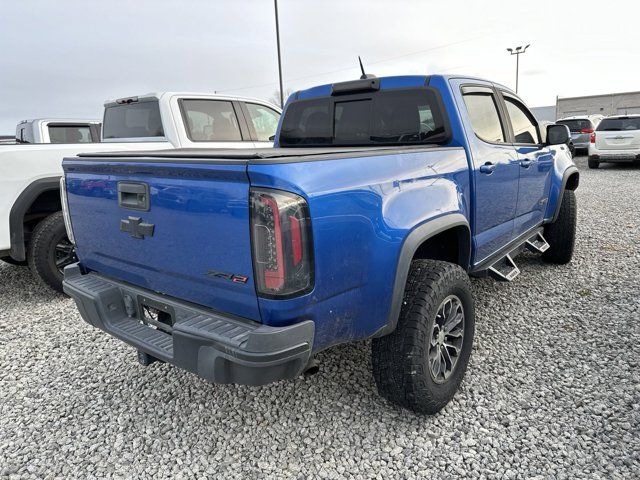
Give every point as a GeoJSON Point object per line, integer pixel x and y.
{"type": "Point", "coordinates": [261, 155]}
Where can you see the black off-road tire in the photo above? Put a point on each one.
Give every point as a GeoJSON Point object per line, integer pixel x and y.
{"type": "Point", "coordinates": [561, 234]}
{"type": "Point", "coordinates": [41, 253]}
{"type": "Point", "coordinates": [400, 360]}
{"type": "Point", "coordinates": [593, 163]}
{"type": "Point", "coordinates": [11, 261]}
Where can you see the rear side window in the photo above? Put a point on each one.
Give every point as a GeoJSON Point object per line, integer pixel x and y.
{"type": "Point", "coordinates": [524, 127]}
{"type": "Point", "coordinates": [265, 121]}
{"type": "Point", "coordinates": [133, 120]}
{"type": "Point", "coordinates": [619, 124]}
{"type": "Point", "coordinates": [483, 113]}
{"type": "Point", "coordinates": [393, 117]}
{"type": "Point", "coordinates": [576, 126]}
{"type": "Point", "coordinates": [210, 121]}
{"type": "Point", "coordinates": [69, 134]}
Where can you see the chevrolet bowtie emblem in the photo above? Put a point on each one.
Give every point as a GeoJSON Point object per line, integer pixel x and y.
{"type": "Point", "coordinates": [136, 227]}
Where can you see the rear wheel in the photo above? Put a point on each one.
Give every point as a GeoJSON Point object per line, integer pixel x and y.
{"type": "Point", "coordinates": [50, 251]}
{"type": "Point", "coordinates": [421, 364]}
{"type": "Point", "coordinates": [561, 234]}
{"type": "Point", "coordinates": [593, 163]}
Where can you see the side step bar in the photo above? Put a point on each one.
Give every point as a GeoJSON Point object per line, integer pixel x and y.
{"type": "Point", "coordinates": [505, 269]}
{"type": "Point", "coordinates": [537, 244]}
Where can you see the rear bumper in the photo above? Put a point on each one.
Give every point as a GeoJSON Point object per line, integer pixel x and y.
{"type": "Point", "coordinates": [620, 156]}
{"type": "Point", "coordinates": [219, 348]}
{"type": "Point", "coordinates": [581, 141]}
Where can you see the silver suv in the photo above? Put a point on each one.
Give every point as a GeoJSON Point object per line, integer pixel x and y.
{"type": "Point", "coordinates": [581, 127]}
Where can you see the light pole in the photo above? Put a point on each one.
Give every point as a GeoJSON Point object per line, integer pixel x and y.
{"type": "Point", "coordinates": [275, 3]}
{"type": "Point", "coordinates": [517, 52]}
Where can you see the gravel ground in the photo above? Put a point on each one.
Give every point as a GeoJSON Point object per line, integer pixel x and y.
{"type": "Point", "coordinates": [552, 391]}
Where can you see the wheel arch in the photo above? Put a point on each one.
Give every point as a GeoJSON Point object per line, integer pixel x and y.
{"type": "Point", "coordinates": [570, 181]}
{"type": "Point", "coordinates": [424, 241]}
{"type": "Point", "coordinates": [40, 198]}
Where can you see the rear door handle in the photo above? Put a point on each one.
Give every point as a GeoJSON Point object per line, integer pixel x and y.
{"type": "Point", "coordinates": [487, 168]}
{"type": "Point", "coordinates": [525, 163]}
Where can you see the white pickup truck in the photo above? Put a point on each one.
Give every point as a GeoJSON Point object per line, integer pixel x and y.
{"type": "Point", "coordinates": [32, 227]}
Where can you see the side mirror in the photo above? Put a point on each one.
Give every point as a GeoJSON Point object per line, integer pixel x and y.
{"type": "Point", "coordinates": [558, 134]}
{"type": "Point", "coordinates": [272, 138]}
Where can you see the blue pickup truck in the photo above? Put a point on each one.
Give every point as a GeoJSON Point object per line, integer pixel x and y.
{"type": "Point", "coordinates": [380, 198]}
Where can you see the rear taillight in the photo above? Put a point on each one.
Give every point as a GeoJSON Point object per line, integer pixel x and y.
{"type": "Point", "coordinates": [586, 130]}
{"type": "Point", "coordinates": [282, 244]}
{"type": "Point", "coordinates": [592, 138]}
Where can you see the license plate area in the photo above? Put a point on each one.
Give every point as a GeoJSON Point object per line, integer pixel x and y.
{"type": "Point", "coordinates": [156, 314]}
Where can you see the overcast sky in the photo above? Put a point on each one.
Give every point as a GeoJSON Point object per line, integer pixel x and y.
{"type": "Point", "coordinates": [64, 58]}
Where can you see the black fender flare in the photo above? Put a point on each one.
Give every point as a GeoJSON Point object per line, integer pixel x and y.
{"type": "Point", "coordinates": [20, 208]}
{"type": "Point", "coordinates": [570, 171]}
{"type": "Point", "coordinates": [413, 240]}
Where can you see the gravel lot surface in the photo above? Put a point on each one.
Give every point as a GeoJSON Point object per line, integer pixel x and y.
{"type": "Point", "coordinates": [552, 391]}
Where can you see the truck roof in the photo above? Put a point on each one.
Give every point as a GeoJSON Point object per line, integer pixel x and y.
{"type": "Point", "coordinates": [398, 81]}
{"type": "Point", "coordinates": [59, 120]}
{"type": "Point", "coordinates": [160, 95]}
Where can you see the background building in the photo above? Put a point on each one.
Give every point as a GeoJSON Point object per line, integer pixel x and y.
{"type": "Point", "coordinates": [545, 114]}
{"type": "Point", "coordinates": [610, 104]}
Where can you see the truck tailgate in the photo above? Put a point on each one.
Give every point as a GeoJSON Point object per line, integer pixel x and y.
{"type": "Point", "coordinates": [178, 229]}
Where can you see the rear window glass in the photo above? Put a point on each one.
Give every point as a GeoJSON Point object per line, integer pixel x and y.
{"type": "Point", "coordinates": [619, 124]}
{"type": "Point", "coordinates": [576, 125]}
{"type": "Point", "coordinates": [133, 120]}
{"type": "Point", "coordinates": [395, 117]}
{"type": "Point", "coordinates": [69, 134]}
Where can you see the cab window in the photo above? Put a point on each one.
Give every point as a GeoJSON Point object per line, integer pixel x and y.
{"type": "Point", "coordinates": [525, 129]}
{"type": "Point", "coordinates": [210, 121]}
{"type": "Point", "coordinates": [264, 120]}
{"type": "Point", "coordinates": [483, 113]}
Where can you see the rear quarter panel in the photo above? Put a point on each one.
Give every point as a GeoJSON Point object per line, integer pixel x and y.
{"type": "Point", "coordinates": [362, 209]}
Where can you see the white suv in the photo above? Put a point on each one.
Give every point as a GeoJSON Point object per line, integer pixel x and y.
{"type": "Point", "coordinates": [616, 140]}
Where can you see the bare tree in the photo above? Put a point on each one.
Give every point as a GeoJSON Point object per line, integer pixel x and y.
{"type": "Point", "coordinates": [275, 97]}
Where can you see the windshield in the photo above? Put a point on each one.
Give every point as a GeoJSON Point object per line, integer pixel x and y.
{"type": "Point", "coordinates": [619, 124]}
{"type": "Point", "coordinates": [133, 120]}
{"type": "Point", "coordinates": [576, 125]}
{"type": "Point", "coordinates": [393, 117]}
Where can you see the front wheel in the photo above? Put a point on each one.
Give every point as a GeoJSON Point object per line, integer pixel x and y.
{"type": "Point", "coordinates": [50, 251]}
{"type": "Point", "coordinates": [561, 234]}
{"type": "Point", "coordinates": [420, 365]}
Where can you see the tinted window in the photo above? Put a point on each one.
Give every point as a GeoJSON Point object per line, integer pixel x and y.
{"type": "Point", "coordinates": [619, 124]}
{"type": "Point", "coordinates": [351, 121]}
{"type": "Point", "coordinates": [133, 120]}
{"type": "Point", "coordinates": [524, 128]}
{"type": "Point", "coordinates": [392, 117]}
{"type": "Point", "coordinates": [210, 121]}
{"type": "Point", "coordinates": [264, 119]}
{"type": "Point", "coordinates": [69, 134]}
{"type": "Point", "coordinates": [485, 120]}
{"type": "Point", "coordinates": [576, 125]}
